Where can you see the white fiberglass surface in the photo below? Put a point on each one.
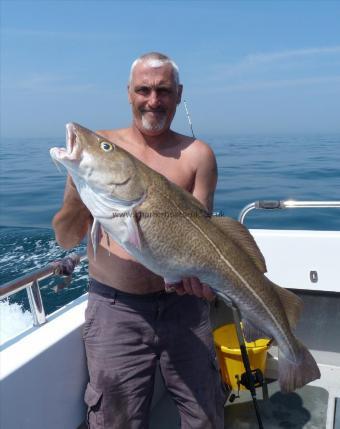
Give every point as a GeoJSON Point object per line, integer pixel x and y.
{"type": "Point", "coordinates": [27, 347]}
{"type": "Point", "coordinates": [293, 256]}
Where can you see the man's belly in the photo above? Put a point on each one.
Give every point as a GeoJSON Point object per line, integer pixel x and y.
{"type": "Point", "coordinates": [118, 269]}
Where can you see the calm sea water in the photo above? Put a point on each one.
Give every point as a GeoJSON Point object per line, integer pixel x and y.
{"type": "Point", "coordinates": [250, 168]}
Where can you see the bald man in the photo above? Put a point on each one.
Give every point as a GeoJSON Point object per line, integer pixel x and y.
{"type": "Point", "coordinates": [131, 321]}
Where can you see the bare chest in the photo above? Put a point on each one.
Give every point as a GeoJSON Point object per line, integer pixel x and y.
{"type": "Point", "coordinates": [177, 168]}
{"type": "Point", "coordinates": [173, 162]}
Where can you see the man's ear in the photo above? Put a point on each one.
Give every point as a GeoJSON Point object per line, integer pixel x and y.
{"type": "Point", "coordinates": [129, 96]}
{"type": "Point", "coordinates": [179, 93]}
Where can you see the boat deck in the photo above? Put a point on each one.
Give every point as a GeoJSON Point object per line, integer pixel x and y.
{"type": "Point", "coordinates": [306, 408]}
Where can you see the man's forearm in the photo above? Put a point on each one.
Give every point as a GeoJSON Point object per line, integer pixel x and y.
{"type": "Point", "coordinates": [70, 225]}
{"type": "Point", "coordinates": [71, 222]}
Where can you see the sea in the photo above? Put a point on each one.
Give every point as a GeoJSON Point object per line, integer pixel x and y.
{"type": "Point", "coordinates": [250, 168]}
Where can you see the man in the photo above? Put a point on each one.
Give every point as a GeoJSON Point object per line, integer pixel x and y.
{"type": "Point", "coordinates": [131, 322]}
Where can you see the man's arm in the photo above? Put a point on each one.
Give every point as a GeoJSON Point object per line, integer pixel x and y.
{"type": "Point", "coordinates": [204, 189]}
{"type": "Point", "coordinates": [71, 222]}
{"type": "Point", "coordinates": [205, 177]}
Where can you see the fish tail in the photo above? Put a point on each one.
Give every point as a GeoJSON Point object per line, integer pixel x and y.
{"type": "Point", "coordinates": [293, 375]}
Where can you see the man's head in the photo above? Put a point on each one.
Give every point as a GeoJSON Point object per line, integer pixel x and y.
{"type": "Point", "coordinates": [154, 92]}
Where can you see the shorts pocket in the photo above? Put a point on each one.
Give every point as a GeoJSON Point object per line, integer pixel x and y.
{"type": "Point", "coordinates": [93, 400]}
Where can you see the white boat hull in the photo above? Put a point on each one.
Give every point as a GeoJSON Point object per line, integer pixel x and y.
{"type": "Point", "coordinates": [43, 371]}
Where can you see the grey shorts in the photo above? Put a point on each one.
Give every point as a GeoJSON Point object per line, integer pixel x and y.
{"type": "Point", "coordinates": [125, 335]}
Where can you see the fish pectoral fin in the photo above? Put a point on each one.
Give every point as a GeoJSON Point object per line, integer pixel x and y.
{"type": "Point", "coordinates": [242, 237]}
{"type": "Point", "coordinates": [172, 280]}
{"type": "Point", "coordinates": [95, 236]}
{"type": "Point", "coordinates": [133, 232]}
{"type": "Point", "coordinates": [291, 303]}
{"type": "Point", "coordinates": [252, 332]}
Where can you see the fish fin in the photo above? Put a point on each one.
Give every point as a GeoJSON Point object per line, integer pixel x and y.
{"type": "Point", "coordinates": [172, 280]}
{"type": "Point", "coordinates": [134, 232]}
{"type": "Point", "coordinates": [294, 375]}
{"type": "Point", "coordinates": [291, 303]}
{"type": "Point", "coordinates": [108, 242]}
{"type": "Point", "coordinates": [252, 332]}
{"type": "Point", "coordinates": [242, 237]}
{"type": "Point", "coordinates": [66, 281]}
{"type": "Point", "coordinates": [95, 236]}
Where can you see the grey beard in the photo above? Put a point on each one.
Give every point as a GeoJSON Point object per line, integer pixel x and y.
{"type": "Point", "coordinates": [153, 127]}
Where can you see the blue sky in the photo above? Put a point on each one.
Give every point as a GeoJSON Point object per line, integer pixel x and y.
{"type": "Point", "coordinates": [247, 66]}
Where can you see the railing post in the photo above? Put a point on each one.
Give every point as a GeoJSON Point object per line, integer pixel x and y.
{"type": "Point", "coordinates": [36, 304]}
{"type": "Point", "coordinates": [285, 204]}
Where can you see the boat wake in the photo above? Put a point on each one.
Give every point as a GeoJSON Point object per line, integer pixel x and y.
{"type": "Point", "coordinates": [14, 319]}
{"type": "Point", "coordinates": [25, 250]}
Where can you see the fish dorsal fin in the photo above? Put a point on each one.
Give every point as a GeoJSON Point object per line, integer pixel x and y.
{"type": "Point", "coordinates": [291, 303]}
{"type": "Point", "coordinates": [242, 237]}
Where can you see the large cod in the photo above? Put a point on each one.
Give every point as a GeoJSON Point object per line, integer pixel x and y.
{"type": "Point", "coordinates": [168, 231]}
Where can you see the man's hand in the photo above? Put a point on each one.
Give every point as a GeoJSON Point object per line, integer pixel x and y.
{"type": "Point", "coordinates": [192, 286]}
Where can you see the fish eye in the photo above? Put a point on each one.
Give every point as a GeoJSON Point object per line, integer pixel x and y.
{"type": "Point", "coordinates": [106, 146]}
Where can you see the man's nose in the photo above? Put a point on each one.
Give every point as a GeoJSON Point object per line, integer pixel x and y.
{"type": "Point", "coordinates": [154, 100]}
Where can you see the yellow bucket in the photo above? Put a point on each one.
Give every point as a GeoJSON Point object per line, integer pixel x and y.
{"type": "Point", "coordinates": [230, 358]}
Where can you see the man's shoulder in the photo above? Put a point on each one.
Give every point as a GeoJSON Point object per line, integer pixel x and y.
{"type": "Point", "coordinates": [119, 134]}
{"type": "Point", "coordinates": [195, 147]}
{"type": "Point", "coordinates": [192, 142]}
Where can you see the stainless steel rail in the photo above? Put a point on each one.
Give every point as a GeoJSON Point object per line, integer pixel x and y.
{"type": "Point", "coordinates": [285, 204]}
{"type": "Point", "coordinates": [30, 282]}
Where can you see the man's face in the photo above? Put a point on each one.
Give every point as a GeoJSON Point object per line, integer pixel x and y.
{"type": "Point", "coordinates": [154, 95]}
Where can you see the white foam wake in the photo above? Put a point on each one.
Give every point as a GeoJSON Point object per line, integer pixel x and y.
{"type": "Point", "coordinates": [13, 320]}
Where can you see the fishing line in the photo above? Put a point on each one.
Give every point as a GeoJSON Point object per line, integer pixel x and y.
{"type": "Point", "coordinates": [189, 119]}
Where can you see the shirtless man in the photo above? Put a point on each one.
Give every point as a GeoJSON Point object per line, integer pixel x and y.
{"type": "Point", "coordinates": [131, 322]}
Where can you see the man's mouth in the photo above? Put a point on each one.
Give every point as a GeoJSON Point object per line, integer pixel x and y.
{"type": "Point", "coordinates": [155, 121]}
{"type": "Point", "coordinates": [154, 111]}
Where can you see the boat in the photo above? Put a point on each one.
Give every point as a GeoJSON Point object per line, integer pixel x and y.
{"type": "Point", "coordinates": [43, 369]}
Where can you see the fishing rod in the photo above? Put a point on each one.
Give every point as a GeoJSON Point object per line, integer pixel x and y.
{"type": "Point", "coordinates": [250, 382]}
{"type": "Point", "coordinates": [189, 119]}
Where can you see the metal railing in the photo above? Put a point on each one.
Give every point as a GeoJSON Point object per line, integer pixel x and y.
{"type": "Point", "coordinates": [30, 282]}
{"type": "Point", "coordinates": [285, 204]}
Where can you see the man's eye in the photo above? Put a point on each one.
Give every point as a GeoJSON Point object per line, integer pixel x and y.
{"type": "Point", "coordinates": [164, 91]}
{"type": "Point", "coordinates": [106, 146]}
{"type": "Point", "coordinates": [143, 90]}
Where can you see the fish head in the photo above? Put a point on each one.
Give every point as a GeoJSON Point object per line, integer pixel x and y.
{"type": "Point", "coordinates": [98, 164]}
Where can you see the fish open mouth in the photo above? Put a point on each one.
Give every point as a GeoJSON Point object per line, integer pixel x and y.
{"type": "Point", "coordinates": [70, 152]}
{"type": "Point", "coordinates": [71, 137]}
